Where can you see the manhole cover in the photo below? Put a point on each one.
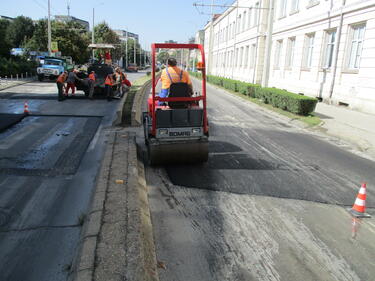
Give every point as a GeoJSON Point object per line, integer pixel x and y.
{"type": "Point", "coordinates": [4, 217]}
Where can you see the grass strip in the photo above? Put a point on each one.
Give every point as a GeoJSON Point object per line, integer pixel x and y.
{"type": "Point", "coordinates": [311, 120]}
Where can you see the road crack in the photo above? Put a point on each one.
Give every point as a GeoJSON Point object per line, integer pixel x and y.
{"type": "Point", "coordinates": [40, 227]}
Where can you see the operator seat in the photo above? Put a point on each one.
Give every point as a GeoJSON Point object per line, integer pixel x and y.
{"type": "Point", "coordinates": [179, 90]}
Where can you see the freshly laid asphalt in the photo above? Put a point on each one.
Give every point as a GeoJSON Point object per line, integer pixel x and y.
{"type": "Point", "coordinates": [48, 168]}
{"type": "Point", "coordinates": [270, 204]}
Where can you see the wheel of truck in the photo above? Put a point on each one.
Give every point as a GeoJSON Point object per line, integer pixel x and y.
{"type": "Point", "coordinates": [87, 93]}
{"type": "Point", "coordinates": [40, 77]}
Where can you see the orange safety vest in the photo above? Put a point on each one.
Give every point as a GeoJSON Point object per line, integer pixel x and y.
{"type": "Point", "coordinates": [109, 80]}
{"type": "Point", "coordinates": [92, 77]}
{"type": "Point", "coordinates": [61, 78]}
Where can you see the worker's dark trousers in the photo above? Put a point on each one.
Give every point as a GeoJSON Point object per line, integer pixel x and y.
{"type": "Point", "coordinates": [91, 88]}
{"type": "Point", "coordinates": [61, 91]}
{"type": "Point", "coordinates": [109, 92]}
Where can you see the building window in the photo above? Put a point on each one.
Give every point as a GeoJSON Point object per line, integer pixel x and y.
{"type": "Point", "coordinates": [282, 8]}
{"type": "Point", "coordinates": [246, 57]}
{"type": "Point", "coordinates": [329, 48]}
{"type": "Point", "coordinates": [249, 18]}
{"type": "Point", "coordinates": [239, 24]}
{"type": "Point", "coordinates": [244, 21]}
{"type": "Point", "coordinates": [278, 50]}
{"type": "Point", "coordinates": [252, 56]}
{"type": "Point", "coordinates": [294, 6]}
{"type": "Point", "coordinates": [356, 34]}
{"type": "Point", "coordinates": [308, 50]}
{"type": "Point", "coordinates": [256, 14]}
{"type": "Point", "coordinates": [290, 52]}
{"type": "Point", "coordinates": [236, 58]}
{"type": "Point", "coordinates": [241, 57]}
{"type": "Point", "coordinates": [231, 58]}
{"type": "Point", "coordinates": [233, 29]}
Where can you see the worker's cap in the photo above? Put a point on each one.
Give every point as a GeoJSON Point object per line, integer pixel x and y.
{"type": "Point", "coordinates": [172, 62]}
{"type": "Point", "coordinates": [93, 71]}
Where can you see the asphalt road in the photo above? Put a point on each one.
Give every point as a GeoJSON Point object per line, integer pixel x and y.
{"type": "Point", "coordinates": [48, 166]}
{"type": "Point", "coordinates": [270, 204]}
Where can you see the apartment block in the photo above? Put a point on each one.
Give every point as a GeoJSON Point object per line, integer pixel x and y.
{"type": "Point", "coordinates": [319, 48]}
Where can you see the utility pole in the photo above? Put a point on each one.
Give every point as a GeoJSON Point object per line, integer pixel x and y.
{"type": "Point", "coordinates": [210, 47]}
{"type": "Point", "coordinates": [49, 28]}
{"type": "Point", "coordinates": [92, 34]}
{"type": "Point", "coordinates": [126, 50]}
{"type": "Point", "coordinates": [135, 53]}
{"type": "Point", "coordinates": [68, 4]}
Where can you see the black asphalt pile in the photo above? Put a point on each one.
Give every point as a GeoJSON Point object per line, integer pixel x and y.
{"type": "Point", "coordinates": [7, 120]}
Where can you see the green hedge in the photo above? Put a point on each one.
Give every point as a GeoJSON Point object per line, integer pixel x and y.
{"type": "Point", "coordinates": [15, 65]}
{"type": "Point", "coordinates": [283, 99]}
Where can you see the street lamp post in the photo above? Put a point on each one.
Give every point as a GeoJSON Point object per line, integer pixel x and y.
{"type": "Point", "coordinates": [126, 49]}
{"type": "Point", "coordinates": [135, 53]}
{"type": "Point", "coordinates": [49, 28]}
{"type": "Point", "coordinates": [93, 31]}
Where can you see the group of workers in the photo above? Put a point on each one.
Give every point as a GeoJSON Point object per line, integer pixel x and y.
{"type": "Point", "coordinates": [115, 84]}
{"type": "Point", "coordinates": [65, 82]}
{"type": "Point", "coordinates": [117, 80]}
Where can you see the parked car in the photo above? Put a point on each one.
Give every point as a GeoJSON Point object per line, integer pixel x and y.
{"type": "Point", "coordinates": [132, 67]}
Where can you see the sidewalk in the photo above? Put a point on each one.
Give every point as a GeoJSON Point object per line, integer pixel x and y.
{"type": "Point", "coordinates": [8, 83]}
{"type": "Point", "coordinates": [355, 127]}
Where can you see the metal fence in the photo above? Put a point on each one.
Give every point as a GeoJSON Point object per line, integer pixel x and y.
{"type": "Point", "coordinates": [8, 80]}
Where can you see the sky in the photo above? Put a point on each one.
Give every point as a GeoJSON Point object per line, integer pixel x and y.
{"type": "Point", "coordinates": [154, 20]}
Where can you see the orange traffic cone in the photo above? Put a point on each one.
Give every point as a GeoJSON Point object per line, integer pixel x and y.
{"type": "Point", "coordinates": [359, 207]}
{"type": "Point", "coordinates": [26, 108]}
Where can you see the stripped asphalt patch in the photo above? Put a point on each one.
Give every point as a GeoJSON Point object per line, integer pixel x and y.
{"type": "Point", "coordinates": [56, 148]}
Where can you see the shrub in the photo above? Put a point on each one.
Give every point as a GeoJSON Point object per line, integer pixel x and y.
{"type": "Point", "coordinates": [15, 65]}
{"type": "Point", "coordinates": [229, 84]}
{"type": "Point", "coordinates": [285, 100]}
{"type": "Point", "coordinates": [215, 80]}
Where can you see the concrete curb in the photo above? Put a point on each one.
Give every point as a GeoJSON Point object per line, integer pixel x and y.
{"type": "Point", "coordinates": [138, 263]}
{"type": "Point", "coordinates": [83, 265]}
{"type": "Point", "coordinates": [18, 84]}
{"type": "Point", "coordinates": [119, 111]}
{"type": "Point", "coordinates": [137, 105]}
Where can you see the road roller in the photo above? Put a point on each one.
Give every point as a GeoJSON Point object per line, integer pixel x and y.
{"type": "Point", "coordinates": [176, 126]}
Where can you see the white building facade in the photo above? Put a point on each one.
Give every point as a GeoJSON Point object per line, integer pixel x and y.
{"type": "Point", "coordinates": [320, 48]}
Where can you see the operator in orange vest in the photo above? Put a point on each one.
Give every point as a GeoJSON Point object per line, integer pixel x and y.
{"type": "Point", "coordinates": [109, 81]}
{"type": "Point", "coordinates": [92, 79]}
{"type": "Point", "coordinates": [173, 74]}
{"type": "Point", "coordinates": [60, 82]}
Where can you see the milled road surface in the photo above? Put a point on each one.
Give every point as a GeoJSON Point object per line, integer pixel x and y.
{"type": "Point", "coordinates": [48, 166]}
{"type": "Point", "coordinates": [269, 204]}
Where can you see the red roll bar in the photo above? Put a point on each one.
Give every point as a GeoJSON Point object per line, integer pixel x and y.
{"type": "Point", "coordinates": [154, 82]}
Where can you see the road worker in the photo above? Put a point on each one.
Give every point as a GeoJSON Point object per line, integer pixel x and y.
{"type": "Point", "coordinates": [61, 85]}
{"type": "Point", "coordinates": [173, 74]}
{"type": "Point", "coordinates": [72, 78]}
{"type": "Point", "coordinates": [118, 82]}
{"type": "Point", "coordinates": [91, 84]}
{"type": "Point", "coordinates": [109, 81]}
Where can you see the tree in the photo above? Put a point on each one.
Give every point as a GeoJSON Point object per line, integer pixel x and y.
{"type": "Point", "coordinates": [39, 40]}
{"type": "Point", "coordinates": [104, 34]}
{"type": "Point", "coordinates": [19, 31]}
{"type": "Point", "coordinates": [4, 44]}
{"type": "Point", "coordinates": [163, 56]}
{"type": "Point", "coordinates": [71, 37]}
{"type": "Point", "coordinates": [72, 40]}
